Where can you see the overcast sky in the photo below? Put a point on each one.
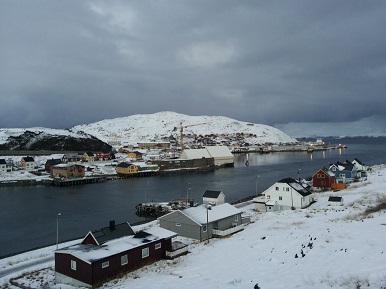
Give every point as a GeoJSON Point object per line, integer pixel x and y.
{"type": "Point", "coordinates": [64, 63]}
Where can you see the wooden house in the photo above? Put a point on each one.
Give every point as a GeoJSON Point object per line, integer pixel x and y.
{"type": "Point", "coordinates": [50, 163]}
{"type": "Point", "coordinates": [105, 253]}
{"type": "Point", "coordinates": [5, 167]}
{"type": "Point", "coordinates": [88, 157]}
{"type": "Point", "coordinates": [135, 155]}
{"type": "Point", "coordinates": [287, 194]}
{"type": "Point", "coordinates": [213, 197]}
{"type": "Point", "coordinates": [345, 172]}
{"type": "Point", "coordinates": [323, 179]}
{"type": "Point", "coordinates": [101, 156]}
{"type": "Point", "coordinates": [125, 169]}
{"type": "Point", "coordinates": [68, 171]}
{"type": "Point", "coordinates": [359, 165]}
{"type": "Point", "coordinates": [71, 158]}
{"type": "Point", "coordinates": [204, 221]}
{"type": "Point", "coordinates": [28, 163]}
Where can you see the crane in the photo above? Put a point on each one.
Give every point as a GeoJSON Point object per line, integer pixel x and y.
{"type": "Point", "coordinates": [181, 128]}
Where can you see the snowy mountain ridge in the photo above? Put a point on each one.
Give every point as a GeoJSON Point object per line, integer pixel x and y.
{"type": "Point", "coordinates": [154, 127]}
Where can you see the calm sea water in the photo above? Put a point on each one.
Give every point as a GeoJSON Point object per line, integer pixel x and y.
{"type": "Point", "coordinates": [28, 214]}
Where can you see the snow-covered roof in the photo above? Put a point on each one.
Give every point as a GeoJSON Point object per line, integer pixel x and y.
{"type": "Point", "coordinates": [195, 154]}
{"type": "Point", "coordinates": [211, 194]}
{"type": "Point", "coordinates": [91, 253]}
{"type": "Point", "coordinates": [296, 186]}
{"type": "Point", "coordinates": [219, 151]}
{"type": "Point", "coordinates": [199, 213]}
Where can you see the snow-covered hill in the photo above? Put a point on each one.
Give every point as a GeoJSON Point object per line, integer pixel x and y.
{"type": "Point", "coordinates": [49, 139]}
{"type": "Point", "coordinates": [155, 127]}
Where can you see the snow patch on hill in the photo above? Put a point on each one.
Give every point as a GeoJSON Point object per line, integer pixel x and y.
{"type": "Point", "coordinates": [5, 133]}
{"type": "Point", "coordinates": [155, 127]}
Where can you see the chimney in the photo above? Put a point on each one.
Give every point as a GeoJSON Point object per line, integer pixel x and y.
{"type": "Point", "coordinates": [112, 225]}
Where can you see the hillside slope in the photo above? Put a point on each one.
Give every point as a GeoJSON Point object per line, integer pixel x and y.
{"type": "Point", "coordinates": [37, 139]}
{"type": "Point", "coordinates": [157, 126]}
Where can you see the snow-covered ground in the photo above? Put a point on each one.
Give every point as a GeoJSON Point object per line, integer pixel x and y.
{"type": "Point", "coordinates": [343, 247]}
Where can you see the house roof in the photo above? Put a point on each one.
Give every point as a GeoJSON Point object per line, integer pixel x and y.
{"type": "Point", "coordinates": [72, 156]}
{"type": "Point", "coordinates": [110, 233]}
{"type": "Point", "coordinates": [53, 162]}
{"type": "Point", "coordinates": [358, 161]}
{"type": "Point", "coordinates": [215, 213]}
{"type": "Point", "coordinates": [296, 186]}
{"type": "Point", "coordinates": [28, 159]}
{"type": "Point", "coordinates": [123, 165]}
{"type": "Point", "coordinates": [270, 203]}
{"type": "Point", "coordinates": [195, 154]}
{"type": "Point", "coordinates": [326, 172]}
{"type": "Point", "coordinates": [343, 166]}
{"type": "Point", "coordinates": [219, 151]}
{"type": "Point", "coordinates": [92, 253]}
{"type": "Point", "coordinates": [211, 194]}
{"type": "Point", "coordinates": [335, 199]}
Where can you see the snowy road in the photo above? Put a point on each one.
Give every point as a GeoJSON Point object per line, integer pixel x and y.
{"type": "Point", "coordinates": [24, 266]}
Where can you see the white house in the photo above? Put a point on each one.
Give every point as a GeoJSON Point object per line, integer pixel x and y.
{"type": "Point", "coordinates": [213, 197]}
{"type": "Point", "coordinates": [359, 165]}
{"type": "Point", "coordinates": [3, 166]}
{"type": "Point", "coordinates": [28, 163]}
{"type": "Point", "coordinates": [286, 194]}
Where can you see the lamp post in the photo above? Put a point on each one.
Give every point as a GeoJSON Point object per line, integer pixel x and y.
{"type": "Point", "coordinates": [208, 207]}
{"type": "Point", "coordinates": [299, 175]}
{"type": "Point", "coordinates": [187, 195]}
{"type": "Point", "coordinates": [57, 230]}
{"type": "Point", "coordinates": [256, 183]}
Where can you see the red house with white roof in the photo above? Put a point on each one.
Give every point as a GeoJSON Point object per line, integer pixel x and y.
{"type": "Point", "coordinates": [109, 251]}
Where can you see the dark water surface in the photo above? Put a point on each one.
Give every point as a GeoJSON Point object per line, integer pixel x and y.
{"type": "Point", "coordinates": [28, 214]}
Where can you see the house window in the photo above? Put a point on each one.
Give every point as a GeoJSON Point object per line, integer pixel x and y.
{"type": "Point", "coordinates": [323, 183]}
{"type": "Point", "coordinates": [178, 224]}
{"type": "Point", "coordinates": [73, 265]}
{"type": "Point", "coordinates": [145, 252]}
{"type": "Point", "coordinates": [105, 264]}
{"type": "Point", "coordinates": [287, 189]}
{"type": "Point", "coordinates": [204, 228]}
{"type": "Point", "coordinates": [124, 260]}
{"type": "Point", "coordinates": [280, 198]}
{"type": "Point", "coordinates": [236, 218]}
{"type": "Point", "coordinates": [277, 188]}
{"type": "Point", "coordinates": [342, 176]}
{"type": "Point", "coordinates": [158, 246]}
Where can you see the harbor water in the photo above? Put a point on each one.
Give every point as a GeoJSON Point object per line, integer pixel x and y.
{"type": "Point", "coordinates": [28, 215]}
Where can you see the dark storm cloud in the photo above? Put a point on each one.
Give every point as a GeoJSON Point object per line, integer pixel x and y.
{"type": "Point", "coordinates": [72, 62]}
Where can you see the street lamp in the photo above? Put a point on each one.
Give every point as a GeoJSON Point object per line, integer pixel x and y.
{"type": "Point", "coordinates": [187, 196]}
{"type": "Point", "coordinates": [208, 207]}
{"type": "Point", "coordinates": [256, 183]}
{"type": "Point", "coordinates": [57, 230]}
{"type": "Point", "coordinates": [299, 175]}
